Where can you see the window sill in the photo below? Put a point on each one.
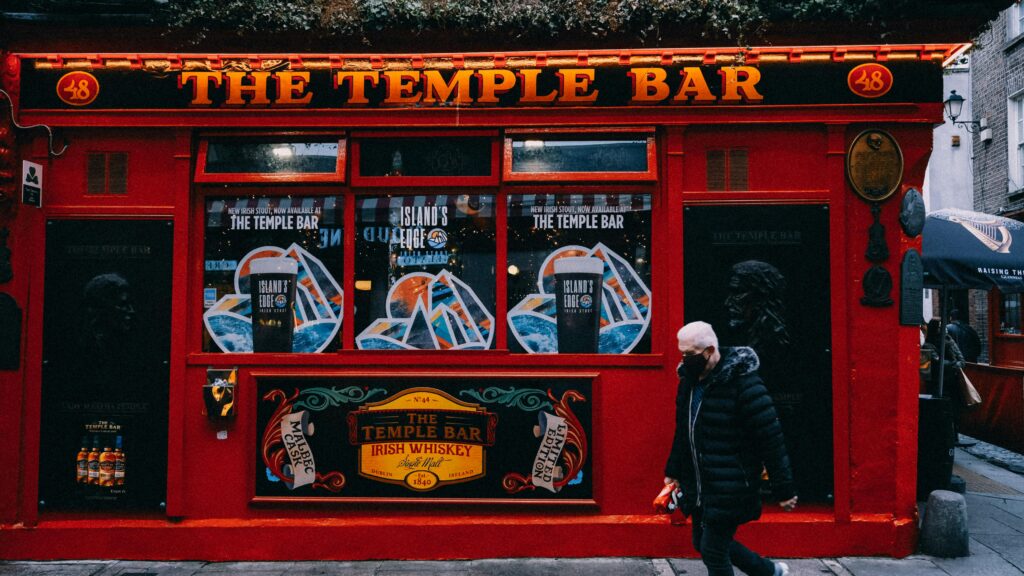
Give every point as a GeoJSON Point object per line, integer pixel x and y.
{"type": "Point", "coordinates": [1013, 42]}
{"type": "Point", "coordinates": [467, 358]}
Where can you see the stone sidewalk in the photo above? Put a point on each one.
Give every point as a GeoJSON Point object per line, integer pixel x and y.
{"type": "Point", "coordinates": [995, 509]}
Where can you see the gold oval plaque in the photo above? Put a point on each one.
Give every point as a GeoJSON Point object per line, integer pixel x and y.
{"type": "Point", "coordinates": [874, 165]}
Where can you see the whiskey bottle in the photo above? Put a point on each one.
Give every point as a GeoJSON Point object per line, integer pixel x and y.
{"type": "Point", "coordinates": [94, 461]}
{"type": "Point", "coordinates": [82, 462]}
{"type": "Point", "coordinates": [118, 463]}
{"type": "Point", "coordinates": [107, 460]}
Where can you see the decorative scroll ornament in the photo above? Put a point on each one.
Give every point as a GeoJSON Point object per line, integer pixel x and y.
{"type": "Point", "coordinates": [572, 442]}
{"type": "Point", "coordinates": [275, 455]}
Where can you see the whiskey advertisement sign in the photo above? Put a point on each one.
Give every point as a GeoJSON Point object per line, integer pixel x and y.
{"type": "Point", "coordinates": [424, 438]}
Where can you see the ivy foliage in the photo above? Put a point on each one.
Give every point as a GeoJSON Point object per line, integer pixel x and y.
{"type": "Point", "coordinates": [381, 23]}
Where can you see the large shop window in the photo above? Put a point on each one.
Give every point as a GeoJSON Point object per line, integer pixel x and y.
{"type": "Point", "coordinates": [272, 274]}
{"type": "Point", "coordinates": [572, 268]}
{"type": "Point", "coordinates": [579, 273]}
{"type": "Point", "coordinates": [425, 272]}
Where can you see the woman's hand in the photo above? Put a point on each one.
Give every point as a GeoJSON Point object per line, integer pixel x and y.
{"type": "Point", "coordinates": [790, 504]}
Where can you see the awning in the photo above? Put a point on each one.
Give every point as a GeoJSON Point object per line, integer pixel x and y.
{"type": "Point", "coordinates": [963, 249]}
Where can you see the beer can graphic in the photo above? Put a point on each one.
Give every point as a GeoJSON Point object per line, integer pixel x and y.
{"type": "Point", "coordinates": [272, 288]}
{"type": "Point", "coordinates": [578, 283]}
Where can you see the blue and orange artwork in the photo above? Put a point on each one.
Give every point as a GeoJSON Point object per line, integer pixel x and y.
{"type": "Point", "coordinates": [625, 305]}
{"type": "Point", "coordinates": [430, 312]}
{"type": "Point", "coordinates": [318, 305]}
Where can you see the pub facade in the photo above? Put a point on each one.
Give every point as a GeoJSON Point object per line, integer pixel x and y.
{"type": "Point", "coordinates": [352, 306]}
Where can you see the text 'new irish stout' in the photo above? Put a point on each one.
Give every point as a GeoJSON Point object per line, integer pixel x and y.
{"type": "Point", "coordinates": [578, 284]}
{"type": "Point", "coordinates": [272, 288]}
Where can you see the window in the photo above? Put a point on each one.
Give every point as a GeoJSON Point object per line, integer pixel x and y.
{"type": "Point", "coordinates": [554, 154]}
{"type": "Point", "coordinates": [727, 169]}
{"type": "Point", "coordinates": [107, 173]}
{"type": "Point", "coordinates": [272, 274]}
{"type": "Point", "coordinates": [1015, 21]}
{"type": "Point", "coordinates": [422, 247]}
{"type": "Point", "coordinates": [579, 273]}
{"type": "Point", "coordinates": [425, 159]}
{"type": "Point", "coordinates": [1009, 314]}
{"type": "Point", "coordinates": [1015, 139]}
{"type": "Point", "coordinates": [273, 158]}
{"type": "Point", "coordinates": [425, 272]}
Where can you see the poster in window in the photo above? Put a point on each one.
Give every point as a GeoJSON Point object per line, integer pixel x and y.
{"type": "Point", "coordinates": [579, 273]}
{"type": "Point", "coordinates": [425, 272]}
{"type": "Point", "coordinates": [417, 437]}
{"type": "Point", "coordinates": [272, 269]}
{"type": "Point", "coordinates": [760, 276]}
{"type": "Point", "coordinates": [106, 347]}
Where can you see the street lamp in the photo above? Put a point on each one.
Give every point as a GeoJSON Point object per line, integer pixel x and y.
{"type": "Point", "coordinates": [954, 105]}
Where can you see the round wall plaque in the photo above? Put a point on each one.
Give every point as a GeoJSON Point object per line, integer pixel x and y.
{"type": "Point", "coordinates": [912, 213]}
{"type": "Point", "coordinates": [874, 165]}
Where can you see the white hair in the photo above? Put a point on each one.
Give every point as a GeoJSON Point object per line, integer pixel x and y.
{"type": "Point", "coordinates": [701, 333]}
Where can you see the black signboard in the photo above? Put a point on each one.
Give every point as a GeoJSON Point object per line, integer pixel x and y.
{"type": "Point", "coordinates": [760, 276]}
{"type": "Point", "coordinates": [424, 438]}
{"type": "Point", "coordinates": [911, 289]}
{"type": "Point", "coordinates": [765, 83]}
{"type": "Point", "coordinates": [106, 345]}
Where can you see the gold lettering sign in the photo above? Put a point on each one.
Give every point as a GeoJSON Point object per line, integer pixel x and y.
{"type": "Point", "coordinates": [422, 438]}
{"type": "Point", "coordinates": [406, 88]}
{"type": "Point", "coordinates": [874, 165]}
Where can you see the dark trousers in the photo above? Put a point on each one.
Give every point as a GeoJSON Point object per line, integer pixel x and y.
{"type": "Point", "coordinates": [720, 552]}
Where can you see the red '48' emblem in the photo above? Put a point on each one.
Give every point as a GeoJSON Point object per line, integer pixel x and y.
{"type": "Point", "coordinates": [870, 80]}
{"type": "Point", "coordinates": [78, 88]}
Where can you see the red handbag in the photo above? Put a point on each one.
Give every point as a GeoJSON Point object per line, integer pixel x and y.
{"type": "Point", "coordinates": [667, 502]}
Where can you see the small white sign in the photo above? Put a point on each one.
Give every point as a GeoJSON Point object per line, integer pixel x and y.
{"type": "Point", "coordinates": [32, 183]}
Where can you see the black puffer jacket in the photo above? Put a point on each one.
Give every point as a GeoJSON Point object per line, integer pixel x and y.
{"type": "Point", "coordinates": [736, 431]}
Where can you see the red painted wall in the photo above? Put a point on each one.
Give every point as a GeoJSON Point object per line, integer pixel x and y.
{"type": "Point", "coordinates": [874, 374]}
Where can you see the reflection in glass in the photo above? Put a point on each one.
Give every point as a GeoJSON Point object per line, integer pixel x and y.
{"type": "Point", "coordinates": [272, 157]}
{"type": "Point", "coordinates": [538, 156]}
{"type": "Point", "coordinates": [425, 157]}
{"type": "Point", "coordinates": [427, 264]}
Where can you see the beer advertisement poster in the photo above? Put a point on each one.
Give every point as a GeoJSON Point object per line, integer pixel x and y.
{"type": "Point", "coordinates": [579, 273]}
{"type": "Point", "coordinates": [425, 272]}
{"type": "Point", "coordinates": [401, 437]}
{"type": "Point", "coordinates": [106, 347]}
{"type": "Point", "coordinates": [272, 274]}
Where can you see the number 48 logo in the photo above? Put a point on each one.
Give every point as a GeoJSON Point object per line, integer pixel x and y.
{"type": "Point", "coordinates": [78, 88]}
{"type": "Point", "coordinates": [870, 80]}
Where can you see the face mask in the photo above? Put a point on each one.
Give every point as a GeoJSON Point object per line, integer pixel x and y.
{"type": "Point", "coordinates": [695, 365]}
